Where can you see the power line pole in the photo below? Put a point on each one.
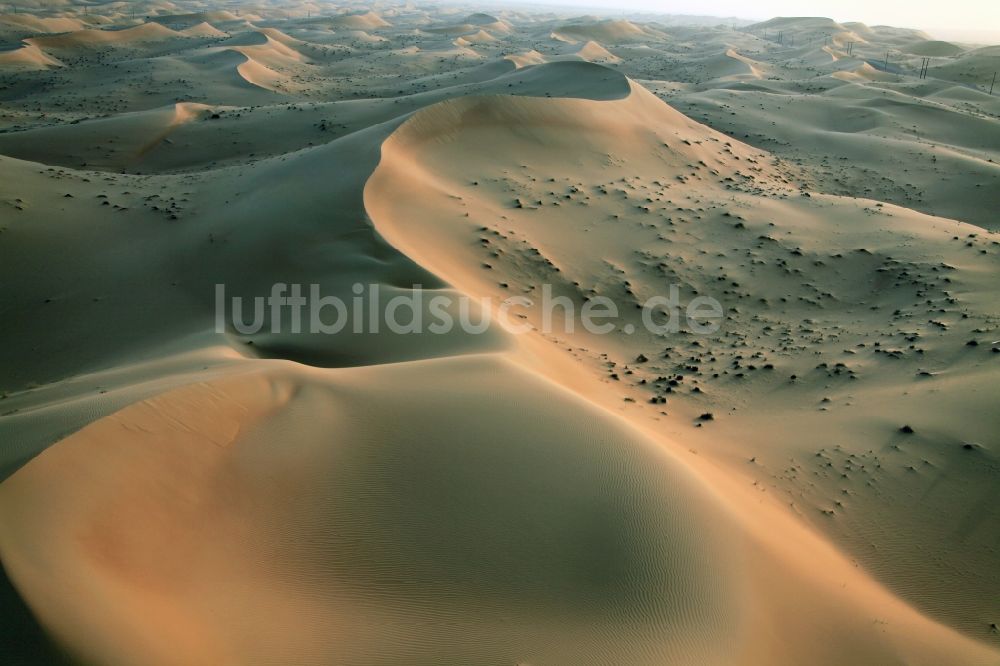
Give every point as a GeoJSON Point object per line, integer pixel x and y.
{"type": "Point", "coordinates": [994, 82]}
{"type": "Point", "coordinates": [886, 67]}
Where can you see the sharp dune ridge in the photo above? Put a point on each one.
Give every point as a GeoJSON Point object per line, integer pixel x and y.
{"type": "Point", "coordinates": [146, 32]}
{"type": "Point", "coordinates": [28, 56]}
{"type": "Point", "coordinates": [815, 482]}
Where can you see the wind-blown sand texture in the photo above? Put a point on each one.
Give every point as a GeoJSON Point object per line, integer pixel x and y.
{"type": "Point", "coordinates": [175, 495]}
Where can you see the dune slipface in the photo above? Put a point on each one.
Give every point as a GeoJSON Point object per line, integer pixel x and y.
{"type": "Point", "coordinates": [813, 481]}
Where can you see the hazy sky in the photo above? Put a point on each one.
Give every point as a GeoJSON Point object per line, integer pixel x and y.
{"type": "Point", "coordinates": [940, 17]}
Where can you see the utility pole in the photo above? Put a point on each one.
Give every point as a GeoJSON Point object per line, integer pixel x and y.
{"type": "Point", "coordinates": [925, 63]}
{"type": "Point", "coordinates": [994, 82]}
{"type": "Point", "coordinates": [886, 67]}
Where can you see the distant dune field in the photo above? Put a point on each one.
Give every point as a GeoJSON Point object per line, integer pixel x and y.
{"type": "Point", "coordinates": [813, 480]}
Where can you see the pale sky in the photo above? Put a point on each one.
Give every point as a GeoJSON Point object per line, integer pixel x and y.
{"type": "Point", "coordinates": [947, 19]}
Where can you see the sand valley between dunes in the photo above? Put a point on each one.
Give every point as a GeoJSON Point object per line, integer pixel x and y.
{"type": "Point", "coordinates": [815, 482]}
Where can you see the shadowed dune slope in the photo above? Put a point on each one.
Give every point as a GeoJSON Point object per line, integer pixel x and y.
{"type": "Point", "coordinates": [179, 490]}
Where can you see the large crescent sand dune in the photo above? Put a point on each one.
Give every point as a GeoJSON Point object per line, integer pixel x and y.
{"type": "Point", "coordinates": [176, 495]}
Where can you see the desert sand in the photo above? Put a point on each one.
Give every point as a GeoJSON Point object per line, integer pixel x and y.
{"type": "Point", "coordinates": [817, 482]}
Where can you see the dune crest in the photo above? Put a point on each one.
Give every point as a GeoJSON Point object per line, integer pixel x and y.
{"type": "Point", "coordinates": [28, 56]}
{"type": "Point", "coordinates": [594, 52]}
{"type": "Point", "coordinates": [42, 24]}
{"type": "Point", "coordinates": [526, 59]}
{"type": "Point", "coordinates": [196, 469]}
{"type": "Point", "coordinates": [608, 31]}
{"type": "Point", "coordinates": [204, 29]}
{"type": "Point", "coordinates": [362, 21]}
{"type": "Point", "coordinates": [144, 33]}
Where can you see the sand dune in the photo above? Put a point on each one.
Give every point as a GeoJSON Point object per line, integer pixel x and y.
{"type": "Point", "coordinates": [269, 56]}
{"type": "Point", "coordinates": [147, 32]}
{"type": "Point", "coordinates": [421, 143]}
{"type": "Point", "coordinates": [362, 21]}
{"type": "Point", "coordinates": [564, 598]}
{"type": "Point", "coordinates": [276, 35]}
{"type": "Point", "coordinates": [734, 66]}
{"type": "Point", "coordinates": [888, 33]}
{"type": "Point", "coordinates": [488, 22]}
{"type": "Point", "coordinates": [262, 76]}
{"type": "Point", "coordinates": [973, 67]}
{"type": "Point", "coordinates": [834, 54]}
{"type": "Point", "coordinates": [115, 143]}
{"type": "Point", "coordinates": [197, 18]}
{"type": "Point", "coordinates": [456, 29]}
{"type": "Point", "coordinates": [866, 136]}
{"type": "Point", "coordinates": [28, 56]}
{"type": "Point", "coordinates": [609, 31]}
{"type": "Point", "coordinates": [479, 37]}
{"type": "Point", "coordinates": [934, 48]}
{"type": "Point", "coordinates": [813, 483]}
{"type": "Point", "coordinates": [569, 587]}
{"type": "Point", "coordinates": [365, 37]}
{"type": "Point", "coordinates": [863, 73]}
{"type": "Point", "coordinates": [203, 29]}
{"type": "Point", "coordinates": [860, 28]}
{"type": "Point", "coordinates": [216, 71]}
{"type": "Point", "coordinates": [40, 24]}
{"type": "Point", "coordinates": [422, 158]}
{"type": "Point", "coordinates": [270, 50]}
{"type": "Point", "coordinates": [526, 59]}
{"type": "Point", "coordinates": [594, 52]}
{"type": "Point", "coordinates": [796, 30]}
